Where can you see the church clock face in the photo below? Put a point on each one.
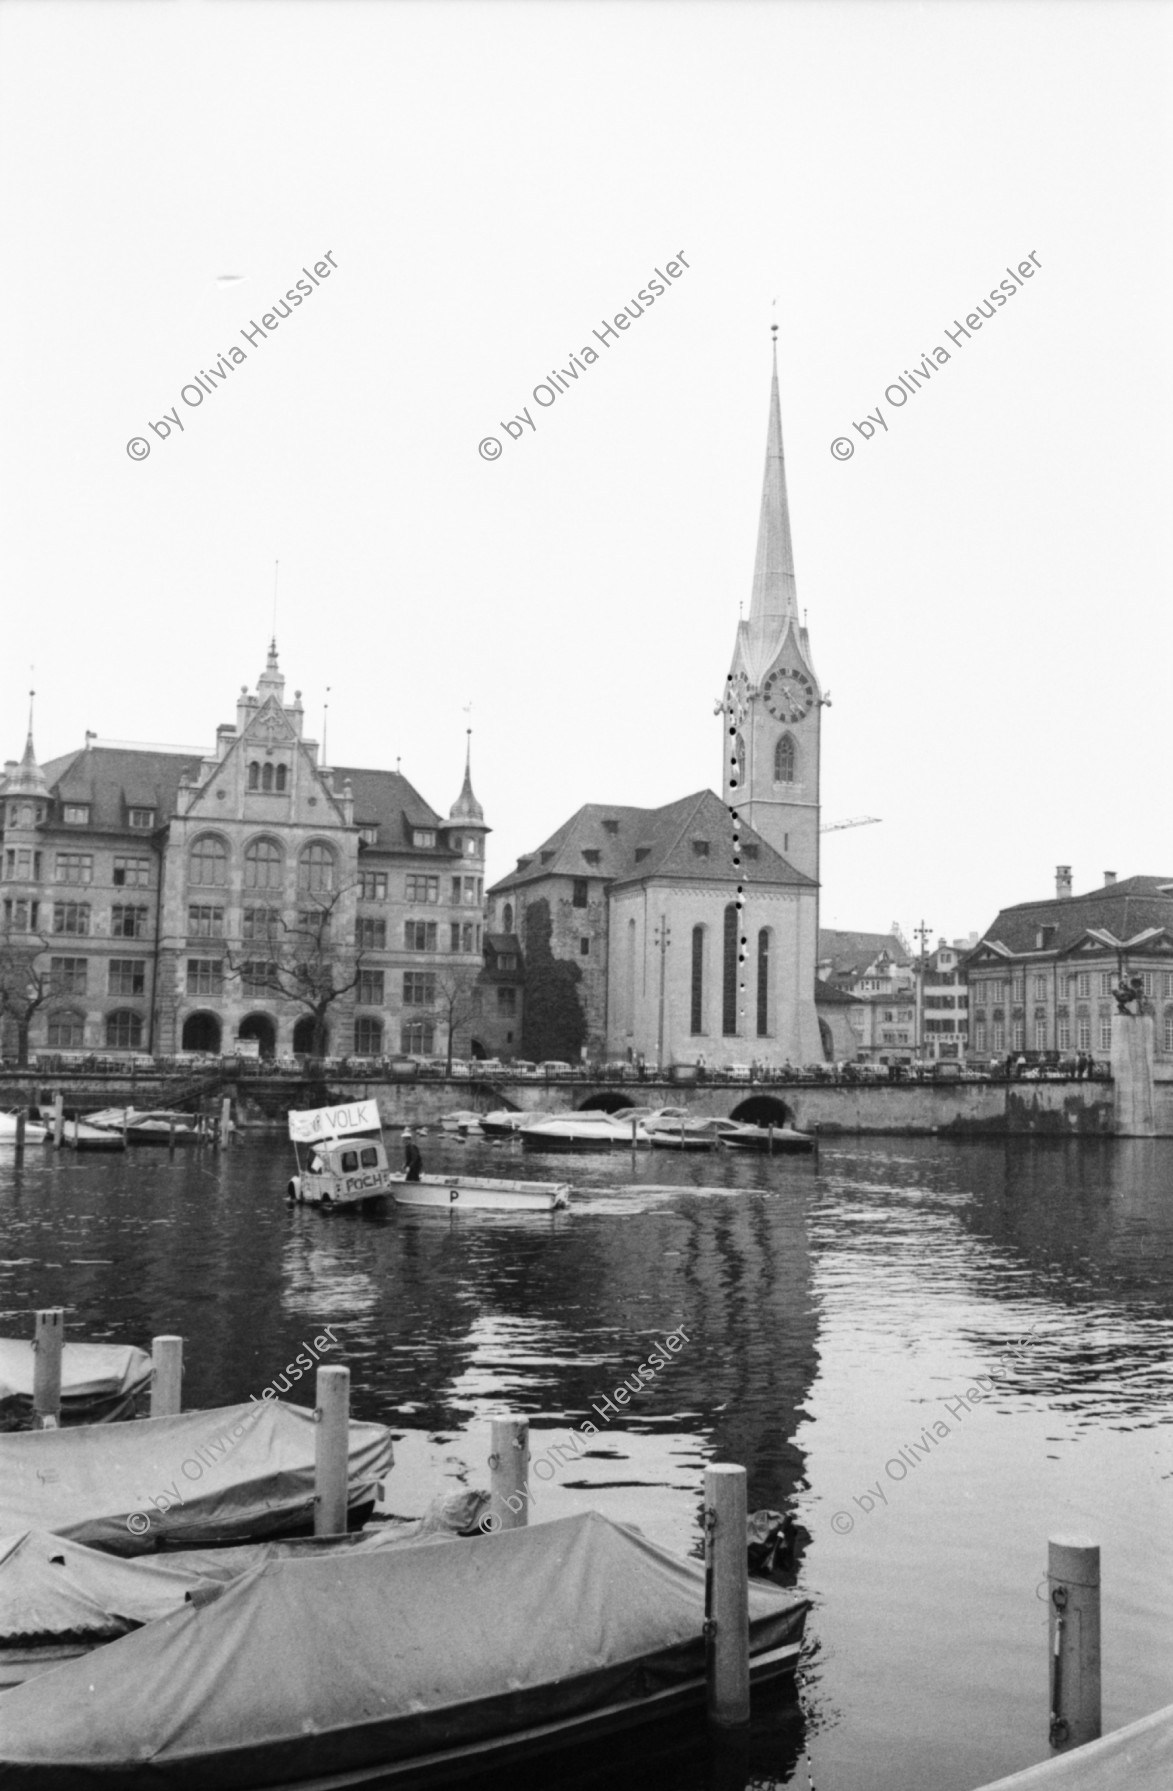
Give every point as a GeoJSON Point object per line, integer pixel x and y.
{"type": "Point", "coordinates": [789, 694]}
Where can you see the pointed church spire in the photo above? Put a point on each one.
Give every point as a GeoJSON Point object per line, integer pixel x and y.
{"type": "Point", "coordinates": [773, 576]}
{"type": "Point", "coordinates": [271, 683]}
{"type": "Point", "coordinates": [466, 807]}
{"type": "Point", "coordinates": [27, 778]}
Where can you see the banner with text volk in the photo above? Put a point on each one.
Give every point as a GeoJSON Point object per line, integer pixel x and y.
{"type": "Point", "coordinates": [334, 1122]}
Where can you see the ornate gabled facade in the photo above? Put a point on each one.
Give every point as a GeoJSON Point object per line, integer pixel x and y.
{"type": "Point", "coordinates": [693, 937]}
{"type": "Point", "coordinates": [180, 898]}
{"type": "Point", "coordinates": [1041, 977]}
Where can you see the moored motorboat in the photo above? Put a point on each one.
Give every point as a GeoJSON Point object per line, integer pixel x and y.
{"type": "Point", "coordinates": [505, 1123]}
{"type": "Point", "coordinates": [775, 1140]}
{"type": "Point", "coordinates": [156, 1126]}
{"type": "Point", "coordinates": [500, 1648]}
{"type": "Point", "coordinates": [35, 1130]}
{"type": "Point", "coordinates": [586, 1131]}
{"type": "Point", "coordinates": [82, 1134]}
{"type": "Point", "coordinates": [479, 1193]}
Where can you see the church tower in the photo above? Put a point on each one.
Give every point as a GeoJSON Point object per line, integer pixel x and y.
{"type": "Point", "coordinates": [773, 701]}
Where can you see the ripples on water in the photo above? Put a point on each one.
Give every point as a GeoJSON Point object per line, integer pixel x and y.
{"type": "Point", "coordinates": [836, 1314]}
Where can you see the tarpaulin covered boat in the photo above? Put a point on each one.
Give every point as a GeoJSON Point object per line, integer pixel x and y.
{"type": "Point", "coordinates": [99, 1381]}
{"type": "Point", "coordinates": [1137, 1758]}
{"type": "Point", "coordinates": [402, 1663]}
{"type": "Point", "coordinates": [226, 1475]}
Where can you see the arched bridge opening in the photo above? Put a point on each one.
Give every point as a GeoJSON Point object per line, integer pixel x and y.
{"type": "Point", "coordinates": [609, 1100]}
{"type": "Point", "coordinates": [763, 1110]}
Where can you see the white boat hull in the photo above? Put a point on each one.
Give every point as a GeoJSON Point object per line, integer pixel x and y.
{"type": "Point", "coordinates": [480, 1193]}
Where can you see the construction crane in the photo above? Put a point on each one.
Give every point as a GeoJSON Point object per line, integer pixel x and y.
{"type": "Point", "coordinates": [855, 821]}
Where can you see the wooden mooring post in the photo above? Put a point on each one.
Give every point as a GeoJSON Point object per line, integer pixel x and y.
{"type": "Point", "coordinates": [20, 1125]}
{"type": "Point", "coordinates": [726, 1595]}
{"type": "Point", "coordinates": [58, 1118]}
{"type": "Point", "coordinates": [167, 1379]}
{"type": "Point", "coordinates": [332, 1451]}
{"type": "Point", "coordinates": [48, 1339]}
{"type": "Point", "coordinates": [509, 1472]}
{"type": "Point", "coordinates": [1073, 1610]}
{"type": "Point", "coordinates": [226, 1120]}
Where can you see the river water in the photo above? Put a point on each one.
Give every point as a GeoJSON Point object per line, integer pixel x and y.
{"type": "Point", "coordinates": [936, 1354]}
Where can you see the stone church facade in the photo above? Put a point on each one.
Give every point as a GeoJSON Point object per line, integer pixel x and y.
{"type": "Point", "coordinates": [695, 926]}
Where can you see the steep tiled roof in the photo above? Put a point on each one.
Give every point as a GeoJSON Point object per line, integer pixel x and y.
{"type": "Point", "coordinates": [385, 799]}
{"type": "Point", "coordinates": [113, 779]}
{"type": "Point", "coordinates": [1123, 909]}
{"type": "Point", "coordinates": [850, 953]}
{"type": "Point", "coordinates": [827, 995]}
{"type": "Point", "coordinates": [631, 845]}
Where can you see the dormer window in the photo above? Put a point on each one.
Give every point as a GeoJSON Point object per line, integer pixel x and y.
{"type": "Point", "coordinates": [591, 854]}
{"type": "Point", "coordinates": [641, 852]}
{"type": "Point", "coordinates": [611, 827]}
{"type": "Point", "coordinates": [76, 814]}
{"type": "Point", "coordinates": [1045, 938]}
{"type": "Point", "coordinates": [749, 850]}
{"type": "Point", "coordinates": [141, 817]}
{"type": "Point", "coordinates": [700, 848]}
{"type": "Point", "coordinates": [369, 836]}
{"type": "Point", "coordinates": [546, 857]}
{"type": "Point", "coordinates": [423, 836]}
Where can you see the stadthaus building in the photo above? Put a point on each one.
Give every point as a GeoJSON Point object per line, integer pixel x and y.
{"type": "Point", "coordinates": [161, 885]}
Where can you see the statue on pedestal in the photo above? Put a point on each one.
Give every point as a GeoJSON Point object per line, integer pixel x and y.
{"type": "Point", "coordinates": [1130, 992]}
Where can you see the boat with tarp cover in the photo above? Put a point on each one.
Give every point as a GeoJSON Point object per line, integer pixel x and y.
{"type": "Point", "coordinates": [406, 1666]}
{"type": "Point", "coordinates": [480, 1193]}
{"type": "Point", "coordinates": [197, 1479]}
{"type": "Point", "coordinates": [99, 1382]}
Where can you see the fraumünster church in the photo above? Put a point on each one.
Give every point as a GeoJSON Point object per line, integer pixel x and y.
{"type": "Point", "coordinates": [697, 936]}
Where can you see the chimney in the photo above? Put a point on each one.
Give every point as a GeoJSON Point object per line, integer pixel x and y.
{"type": "Point", "coordinates": [1109, 878]}
{"type": "Point", "coordinates": [1062, 880]}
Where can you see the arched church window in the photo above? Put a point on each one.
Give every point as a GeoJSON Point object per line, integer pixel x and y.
{"type": "Point", "coordinates": [507, 918]}
{"type": "Point", "coordinates": [729, 973]}
{"type": "Point", "coordinates": [315, 869]}
{"type": "Point", "coordinates": [267, 778]}
{"type": "Point", "coordinates": [208, 865]}
{"type": "Point", "coordinates": [254, 776]}
{"type": "Point", "coordinates": [697, 1015]}
{"type": "Point", "coordinates": [282, 777]}
{"type": "Point", "coordinates": [264, 865]}
{"type": "Point", "coordinates": [785, 759]}
{"type": "Point", "coordinates": [764, 943]}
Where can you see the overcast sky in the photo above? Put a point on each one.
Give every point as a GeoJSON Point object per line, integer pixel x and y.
{"type": "Point", "coordinates": [987, 581]}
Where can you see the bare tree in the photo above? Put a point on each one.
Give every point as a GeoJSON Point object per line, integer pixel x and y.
{"type": "Point", "coordinates": [26, 985]}
{"type": "Point", "coordinates": [455, 999]}
{"type": "Point", "coordinates": [305, 961]}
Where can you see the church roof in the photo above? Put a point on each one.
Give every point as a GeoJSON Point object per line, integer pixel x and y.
{"type": "Point", "coordinates": [691, 839]}
{"type": "Point", "coordinates": [828, 995]}
{"type": "Point", "coordinates": [848, 953]}
{"type": "Point", "coordinates": [1125, 908]}
{"type": "Point", "coordinates": [113, 779]}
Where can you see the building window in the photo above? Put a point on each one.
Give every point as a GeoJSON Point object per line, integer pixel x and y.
{"type": "Point", "coordinates": [1018, 1036]}
{"type": "Point", "coordinates": [205, 976]}
{"type": "Point", "coordinates": [1083, 985]}
{"type": "Point", "coordinates": [281, 779]}
{"type": "Point", "coordinates": [1040, 1035]}
{"type": "Point", "coordinates": [76, 814]}
{"type": "Point", "coordinates": [258, 977]}
{"type": "Point", "coordinates": [259, 923]}
{"type": "Point", "coordinates": [423, 836]}
{"type": "Point", "coordinates": [74, 867]}
{"type": "Point", "coordinates": [141, 817]}
{"type": "Point", "coordinates": [126, 976]}
{"type": "Point", "coordinates": [700, 848]}
{"type": "Point", "coordinates": [427, 889]}
{"type": "Point", "coordinates": [1083, 1035]}
{"type": "Point", "coordinates": [1106, 983]}
{"type": "Point", "coordinates": [1149, 979]}
{"type": "Point", "coordinates": [419, 935]}
{"type": "Point", "coordinates": [370, 934]}
{"type": "Point", "coordinates": [506, 1001]}
{"type": "Point", "coordinates": [124, 1031]}
{"type": "Point", "coordinates": [1106, 1033]}
{"type": "Point", "coordinates": [1063, 1035]}
{"type": "Point", "coordinates": [67, 1032]}
{"type": "Point", "coordinates": [979, 1036]}
{"type": "Point", "coordinates": [584, 948]}
{"type": "Point", "coordinates": [208, 866]}
{"type": "Point", "coordinates": [764, 983]}
{"type": "Point", "coordinates": [785, 758]}
{"type": "Point", "coordinates": [455, 890]}
{"type": "Point", "coordinates": [1040, 988]}
{"type": "Point", "coordinates": [372, 886]}
{"type": "Point", "coordinates": [315, 869]}
{"type": "Point", "coordinates": [132, 873]}
{"type": "Point", "coordinates": [579, 897]}
{"type": "Point", "coordinates": [314, 924]}
{"type": "Point", "coordinates": [472, 891]}
{"type": "Point", "coordinates": [368, 1036]}
{"type": "Point", "coordinates": [729, 973]}
{"type": "Point", "coordinates": [418, 1036]}
{"type": "Point", "coordinates": [419, 988]}
{"type": "Point", "coordinates": [128, 922]}
{"type": "Point", "coordinates": [205, 922]}
{"type": "Point", "coordinates": [998, 1037]}
{"type": "Point", "coordinates": [71, 917]}
{"type": "Point", "coordinates": [507, 917]}
{"type": "Point", "coordinates": [264, 865]}
{"type": "Point", "coordinates": [254, 776]}
{"type": "Point", "coordinates": [20, 914]}
{"type": "Point", "coordinates": [370, 988]}
{"type": "Point", "coordinates": [454, 935]}
{"type": "Point", "coordinates": [468, 936]}
{"type": "Point", "coordinates": [68, 975]}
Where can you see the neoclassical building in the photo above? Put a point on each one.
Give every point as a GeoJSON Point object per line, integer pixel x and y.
{"type": "Point", "coordinates": [163, 887]}
{"type": "Point", "coordinates": [695, 926]}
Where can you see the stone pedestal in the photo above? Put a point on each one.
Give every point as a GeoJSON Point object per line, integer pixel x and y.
{"type": "Point", "coordinates": [1133, 1049]}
